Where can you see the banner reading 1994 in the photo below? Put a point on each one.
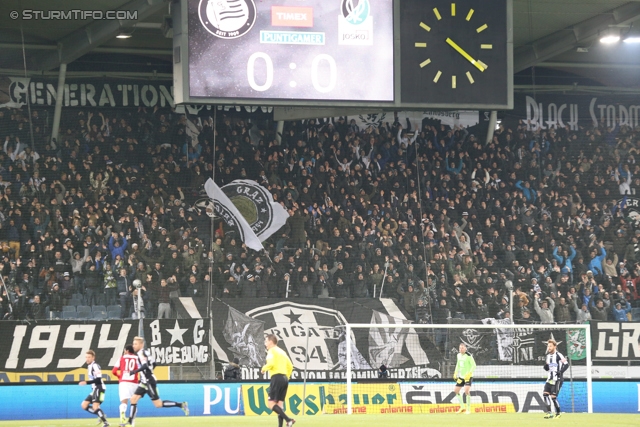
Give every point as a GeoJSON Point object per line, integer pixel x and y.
{"type": "Point", "coordinates": [57, 346]}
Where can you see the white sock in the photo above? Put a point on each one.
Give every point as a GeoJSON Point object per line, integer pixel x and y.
{"type": "Point", "coordinates": [123, 408]}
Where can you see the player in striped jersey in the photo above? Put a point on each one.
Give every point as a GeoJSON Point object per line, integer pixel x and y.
{"type": "Point", "coordinates": [555, 364]}
{"type": "Point", "coordinates": [98, 388]}
{"type": "Point", "coordinates": [148, 383]}
{"type": "Point", "coordinates": [128, 382]}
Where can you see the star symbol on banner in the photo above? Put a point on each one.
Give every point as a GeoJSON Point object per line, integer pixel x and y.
{"type": "Point", "coordinates": [177, 333]}
{"type": "Point", "coordinates": [293, 317]}
{"type": "Point", "coordinates": [263, 210]}
{"type": "Point", "coordinates": [551, 338]}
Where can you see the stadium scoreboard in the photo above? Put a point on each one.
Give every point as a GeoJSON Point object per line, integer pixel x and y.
{"type": "Point", "coordinates": [345, 53]}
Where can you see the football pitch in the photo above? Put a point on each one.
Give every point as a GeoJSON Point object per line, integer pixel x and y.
{"type": "Point", "coordinates": [404, 420]}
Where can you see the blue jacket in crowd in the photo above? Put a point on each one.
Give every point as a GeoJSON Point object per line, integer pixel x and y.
{"type": "Point", "coordinates": [119, 250]}
{"type": "Point", "coordinates": [595, 264]}
{"type": "Point", "coordinates": [565, 262]}
{"type": "Point", "coordinates": [621, 315]}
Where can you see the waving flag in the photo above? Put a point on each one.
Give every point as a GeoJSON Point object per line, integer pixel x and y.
{"type": "Point", "coordinates": [226, 210]}
{"type": "Point", "coordinates": [257, 206]}
{"type": "Point", "coordinates": [246, 205]}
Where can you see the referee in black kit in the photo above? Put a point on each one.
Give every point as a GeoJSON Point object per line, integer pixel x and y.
{"type": "Point", "coordinates": [279, 367]}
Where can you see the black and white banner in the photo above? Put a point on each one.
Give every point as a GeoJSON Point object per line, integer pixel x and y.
{"type": "Point", "coordinates": [517, 345]}
{"type": "Point", "coordinates": [370, 117]}
{"type": "Point", "coordinates": [310, 332]}
{"type": "Point", "coordinates": [559, 110]}
{"type": "Point", "coordinates": [189, 307]}
{"type": "Point", "coordinates": [61, 345]}
{"type": "Point", "coordinates": [464, 118]}
{"type": "Point", "coordinates": [477, 341]}
{"type": "Point", "coordinates": [615, 341]}
{"type": "Point", "coordinates": [104, 93]}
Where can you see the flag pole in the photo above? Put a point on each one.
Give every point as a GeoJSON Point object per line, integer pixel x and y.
{"type": "Point", "coordinates": [213, 177]}
{"type": "Point", "coordinates": [210, 294]}
{"type": "Point", "coordinates": [386, 266]}
{"type": "Point", "coordinates": [266, 254]}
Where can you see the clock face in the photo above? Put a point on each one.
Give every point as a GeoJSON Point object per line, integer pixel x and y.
{"type": "Point", "coordinates": [455, 52]}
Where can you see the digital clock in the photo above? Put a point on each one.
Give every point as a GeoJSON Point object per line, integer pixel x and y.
{"type": "Point", "coordinates": [333, 50]}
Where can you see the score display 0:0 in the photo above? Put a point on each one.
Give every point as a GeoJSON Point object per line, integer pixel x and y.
{"type": "Point", "coordinates": [315, 65]}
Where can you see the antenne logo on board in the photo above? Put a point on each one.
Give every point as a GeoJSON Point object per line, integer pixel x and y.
{"type": "Point", "coordinates": [227, 19]}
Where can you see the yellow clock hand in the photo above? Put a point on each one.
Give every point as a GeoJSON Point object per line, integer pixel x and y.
{"type": "Point", "coordinates": [468, 57]}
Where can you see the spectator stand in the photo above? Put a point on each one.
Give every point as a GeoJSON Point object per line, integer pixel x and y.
{"type": "Point", "coordinates": [442, 219]}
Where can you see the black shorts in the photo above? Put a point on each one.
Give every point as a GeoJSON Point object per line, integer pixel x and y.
{"type": "Point", "coordinates": [461, 382]}
{"type": "Point", "coordinates": [278, 388]}
{"type": "Point", "coordinates": [150, 388]}
{"type": "Point", "coordinates": [96, 396]}
{"type": "Point", "coordinates": [553, 389]}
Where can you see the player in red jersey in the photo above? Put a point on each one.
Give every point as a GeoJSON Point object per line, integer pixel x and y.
{"type": "Point", "coordinates": [128, 382]}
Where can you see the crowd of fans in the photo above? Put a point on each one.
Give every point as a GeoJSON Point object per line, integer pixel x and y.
{"type": "Point", "coordinates": [433, 217]}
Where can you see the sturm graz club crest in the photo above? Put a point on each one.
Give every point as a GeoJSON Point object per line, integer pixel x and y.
{"type": "Point", "coordinates": [227, 19]}
{"type": "Point", "coordinates": [247, 206]}
{"type": "Point", "coordinates": [253, 202]}
{"type": "Point", "coordinates": [250, 199]}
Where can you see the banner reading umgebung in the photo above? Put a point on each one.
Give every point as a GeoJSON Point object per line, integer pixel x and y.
{"type": "Point", "coordinates": [60, 346]}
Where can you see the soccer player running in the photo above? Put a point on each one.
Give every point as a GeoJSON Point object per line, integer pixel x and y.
{"type": "Point", "coordinates": [128, 382]}
{"type": "Point", "coordinates": [555, 364]}
{"type": "Point", "coordinates": [98, 388]}
{"type": "Point", "coordinates": [463, 375]}
{"type": "Point", "coordinates": [279, 367]}
{"type": "Point", "coordinates": [148, 383]}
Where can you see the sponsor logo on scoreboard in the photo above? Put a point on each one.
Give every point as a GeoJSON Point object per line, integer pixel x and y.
{"type": "Point", "coordinates": [292, 37]}
{"type": "Point", "coordinates": [290, 16]}
{"type": "Point", "coordinates": [355, 23]}
{"type": "Point", "coordinates": [227, 19]}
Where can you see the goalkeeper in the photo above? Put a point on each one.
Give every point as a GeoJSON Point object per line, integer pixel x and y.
{"type": "Point", "coordinates": [463, 375]}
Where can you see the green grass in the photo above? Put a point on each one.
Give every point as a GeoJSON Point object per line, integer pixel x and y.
{"type": "Point", "coordinates": [403, 420]}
